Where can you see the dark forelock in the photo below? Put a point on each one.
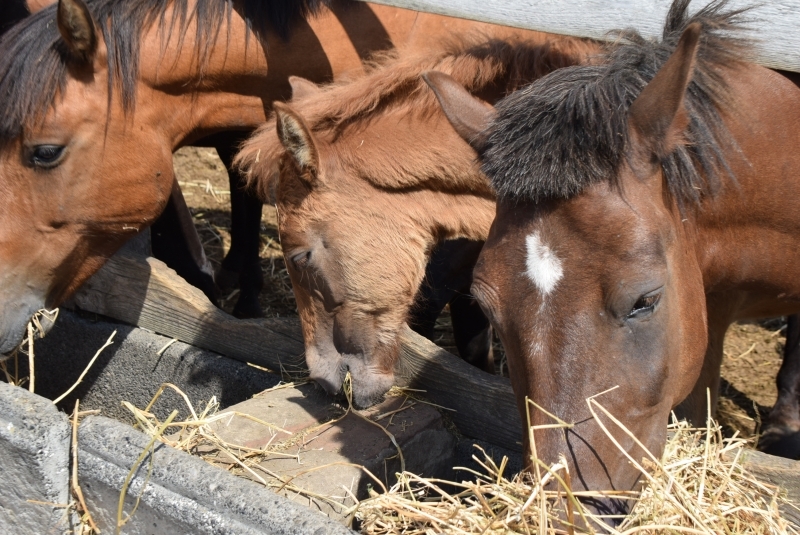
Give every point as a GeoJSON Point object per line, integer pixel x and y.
{"type": "Point", "coordinates": [33, 59]}
{"type": "Point", "coordinates": [569, 129]}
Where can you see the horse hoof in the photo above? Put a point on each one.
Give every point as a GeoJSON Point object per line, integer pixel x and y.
{"type": "Point", "coordinates": [782, 441]}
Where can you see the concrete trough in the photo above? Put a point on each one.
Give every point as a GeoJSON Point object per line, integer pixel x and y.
{"type": "Point", "coordinates": [185, 494]}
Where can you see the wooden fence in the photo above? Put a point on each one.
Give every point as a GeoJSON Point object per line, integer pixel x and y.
{"type": "Point", "coordinates": [775, 23]}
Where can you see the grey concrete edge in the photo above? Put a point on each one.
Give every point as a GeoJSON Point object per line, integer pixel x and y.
{"type": "Point", "coordinates": [36, 436]}
{"type": "Point", "coordinates": [187, 490]}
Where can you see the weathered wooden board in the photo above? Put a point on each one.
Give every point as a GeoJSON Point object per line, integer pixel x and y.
{"type": "Point", "coordinates": [776, 23]}
{"type": "Point", "coordinates": [779, 471]}
{"type": "Point", "coordinates": [145, 292]}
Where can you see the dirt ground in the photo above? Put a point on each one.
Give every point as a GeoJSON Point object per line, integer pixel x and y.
{"type": "Point", "coordinates": [752, 350]}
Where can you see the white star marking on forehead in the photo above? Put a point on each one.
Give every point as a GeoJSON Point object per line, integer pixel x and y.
{"type": "Point", "coordinates": [543, 266]}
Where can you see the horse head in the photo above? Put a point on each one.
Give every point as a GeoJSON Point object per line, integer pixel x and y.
{"type": "Point", "coordinates": [69, 204]}
{"type": "Point", "coordinates": [359, 211]}
{"type": "Point", "coordinates": [592, 283]}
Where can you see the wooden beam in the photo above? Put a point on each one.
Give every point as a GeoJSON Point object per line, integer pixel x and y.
{"type": "Point", "coordinates": [145, 292]}
{"type": "Point", "coordinates": [784, 473]}
{"type": "Point", "coordinates": [484, 404]}
{"type": "Point", "coordinates": [775, 23]}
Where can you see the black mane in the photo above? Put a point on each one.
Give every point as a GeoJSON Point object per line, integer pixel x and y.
{"type": "Point", "coordinates": [569, 129]}
{"type": "Point", "coordinates": [33, 64]}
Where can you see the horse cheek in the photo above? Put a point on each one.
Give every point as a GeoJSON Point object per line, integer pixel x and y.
{"type": "Point", "coordinates": [692, 319]}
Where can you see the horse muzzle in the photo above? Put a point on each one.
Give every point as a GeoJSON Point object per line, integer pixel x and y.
{"type": "Point", "coordinates": [367, 384]}
{"type": "Point", "coordinates": [14, 317]}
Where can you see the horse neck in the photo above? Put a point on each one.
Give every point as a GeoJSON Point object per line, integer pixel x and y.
{"type": "Point", "coordinates": [244, 76]}
{"type": "Point", "coordinates": [747, 234]}
{"type": "Point", "coordinates": [416, 160]}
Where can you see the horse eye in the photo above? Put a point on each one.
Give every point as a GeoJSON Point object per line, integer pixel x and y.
{"type": "Point", "coordinates": [300, 260]}
{"type": "Point", "coordinates": [47, 156]}
{"type": "Point", "coordinates": [645, 305]}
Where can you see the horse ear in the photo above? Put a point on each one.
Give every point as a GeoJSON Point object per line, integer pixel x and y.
{"type": "Point", "coordinates": [302, 88]}
{"type": "Point", "coordinates": [658, 114]}
{"type": "Point", "coordinates": [78, 29]}
{"type": "Point", "coordinates": [296, 138]}
{"type": "Point", "coordinates": [469, 115]}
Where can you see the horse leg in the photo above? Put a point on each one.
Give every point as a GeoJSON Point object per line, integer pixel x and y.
{"type": "Point", "coordinates": [781, 433]}
{"type": "Point", "coordinates": [448, 277]}
{"type": "Point", "coordinates": [176, 243]}
{"type": "Point", "coordinates": [242, 264]}
{"type": "Point", "coordinates": [11, 12]}
{"type": "Point", "coordinates": [472, 331]}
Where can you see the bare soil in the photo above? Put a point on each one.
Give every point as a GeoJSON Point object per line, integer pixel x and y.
{"type": "Point", "coordinates": [753, 351]}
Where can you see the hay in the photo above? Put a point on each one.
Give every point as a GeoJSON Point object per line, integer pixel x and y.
{"type": "Point", "coordinates": [698, 486]}
{"type": "Point", "coordinates": [198, 437]}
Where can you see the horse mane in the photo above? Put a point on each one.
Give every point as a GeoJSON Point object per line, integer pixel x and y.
{"type": "Point", "coordinates": [569, 129]}
{"type": "Point", "coordinates": [34, 60]}
{"type": "Point", "coordinates": [393, 84]}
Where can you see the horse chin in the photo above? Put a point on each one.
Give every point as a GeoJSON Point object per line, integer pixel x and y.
{"type": "Point", "coordinates": [12, 330]}
{"type": "Point", "coordinates": [369, 385]}
{"type": "Point", "coordinates": [15, 314]}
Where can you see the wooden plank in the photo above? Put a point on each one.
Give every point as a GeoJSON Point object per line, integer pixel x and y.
{"type": "Point", "coordinates": [484, 404]}
{"type": "Point", "coordinates": [784, 473]}
{"type": "Point", "coordinates": [776, 23]}
{"type": "Point", "coordinates": [145, 292]}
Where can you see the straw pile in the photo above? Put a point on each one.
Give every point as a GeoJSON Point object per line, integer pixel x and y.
{"type": "Point", "coordinates": [699, 486]}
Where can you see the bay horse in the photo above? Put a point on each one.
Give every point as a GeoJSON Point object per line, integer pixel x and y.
{"type": "Point", "coordinates": [370, 177]}
{"type": "Point", "coordinates": [174, 237]}
{"type": "Point", "coordinates": [644, 204]}
{"type": "Point", "coordinates": [98, 95]}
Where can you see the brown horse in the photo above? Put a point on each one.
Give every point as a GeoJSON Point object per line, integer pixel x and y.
{"type": "Point", "coordinates": [98, 95]}
{"type": "Point", "coordinates": [643, 205]}
{"type": "Point", "coordinates": [371, 177]}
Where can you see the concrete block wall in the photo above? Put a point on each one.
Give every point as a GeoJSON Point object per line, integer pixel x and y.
{"type": "Point", "coordinates": [184, 494]}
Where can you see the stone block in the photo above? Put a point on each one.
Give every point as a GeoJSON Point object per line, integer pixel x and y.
{"type": "Point", "coordinates": [132, 370]}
